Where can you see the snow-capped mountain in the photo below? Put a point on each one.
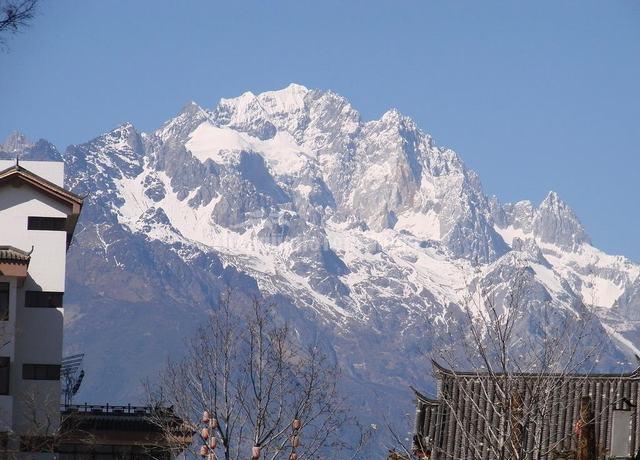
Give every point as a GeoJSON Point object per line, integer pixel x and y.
{"type": "Point", "coordinates": [366, 234]}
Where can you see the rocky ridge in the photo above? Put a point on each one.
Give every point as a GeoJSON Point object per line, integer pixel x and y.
{"type": "Point", "coordinates": [366, 234]}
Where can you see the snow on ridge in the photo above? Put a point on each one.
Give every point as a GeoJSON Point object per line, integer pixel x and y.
{"type": "Point", "coordinates": [414, 248]}
{"type": "Point", "coordinates": [601, 277]}
{"type": "Point", "coordinates": [617, 335]}
{"type": "Point", "coordinates": [209, 142]}
{"type": "Point", "coordinates": [288, 99]}
{"type": "Point", "coordinates": [509, 233]}
{"type": "Point", "coordinates": [426, 267]}
{"type": "Point", "coordinates": [223, 145]}
{"type": "Point", "coordinates": [425, 225]}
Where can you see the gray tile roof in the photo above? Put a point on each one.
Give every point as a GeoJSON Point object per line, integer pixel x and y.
{"type": "Point", "coordinates": [462, 422]}
{"type": "Point", "coordinates": [11, 254]}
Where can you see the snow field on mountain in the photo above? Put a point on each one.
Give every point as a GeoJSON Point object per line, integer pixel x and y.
{"type": "Point", "coordinates": [224, 145]}
{"type": "Point", "coordinates": [373, 236]}
{"type": "Point", "coordinates": [414, 243]}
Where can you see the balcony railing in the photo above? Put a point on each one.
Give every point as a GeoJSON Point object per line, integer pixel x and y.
{"type": "Point", "coordinates": [105, 409]}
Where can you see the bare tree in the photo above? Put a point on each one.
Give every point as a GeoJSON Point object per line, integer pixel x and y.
{"type": "Point", "coordinates": [402, 448]}
{"type": "Point", "coordinates": [15, 15]}
{"type": "Point", "coordinates": [261, 394]}
{"type": "Point", "coordinates": [43, 427]}
{"type": "Point", "coordinates": [515, 369]}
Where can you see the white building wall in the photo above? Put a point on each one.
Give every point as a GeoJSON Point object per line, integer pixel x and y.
{"type": "Point", "coordinates": [7, 348]}
{"type": "Point", "coordinates": [53, 171]}
{"type": "Point", "coordinates": [38, 331]}
{"type": "Point", "coordinates": [8, 328]}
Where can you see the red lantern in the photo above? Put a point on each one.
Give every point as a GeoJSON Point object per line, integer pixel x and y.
{"type": "Point", "coordinates": [204, 451]}
{"type": "Point", "coordinates": [205, 417]}
{"type": "Point", "coordinates": [295, 441]}
{"type": "Point", "coordinates": [213, 442]}
{"type": "Point", "coordinates": [204, 433]}
{"type": "Point", "coordinates": [296, 424]}
{"type": "Point", "coordinates": [293, 456]}
{"type": "Point", "coordinates": [255, 452]}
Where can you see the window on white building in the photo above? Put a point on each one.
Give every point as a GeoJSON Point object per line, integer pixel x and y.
{"type": "Point", "coordinates": [4, 301]}
{"type": "Point", "coordinates": [41, 372]}
{"type": "Point", "coordinates": [43, 299]}
{"type": "Point", "coordinates": [47, 223]}
{"type": "Point", "coordinates": [4, 375]}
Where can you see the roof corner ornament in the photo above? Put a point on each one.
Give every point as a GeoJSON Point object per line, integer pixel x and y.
{"type": "Point", "coordinates": [30, 252]}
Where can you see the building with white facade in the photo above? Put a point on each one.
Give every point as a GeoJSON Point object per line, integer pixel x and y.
{"type": "Point", "coordinates": [37, 220]}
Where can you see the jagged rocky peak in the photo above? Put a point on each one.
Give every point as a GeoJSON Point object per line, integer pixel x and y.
{"type": "Point", "coordinates": [552, 222]}
{"type": "Point", "coordinates": [418, 148]}
{"type": "Point", "coordinates": [310, 152]}
{"type": "Point", "coordinates": [262, 115]}
{"type": "Point", "coordinates": [367, 231]}
{"type": "Point", "coordinates": [520, 215]}
{"type": "Point", "coordinates": [184, 123]}
{"type": "Point", "coordinates": [126, 132]}
{"type": "Point", "coordinates": [394, 117]}
{"type": "Point", "coordinates": [16, 143]}
{"type": "Point", "coordinates": [331, 112]}
{"type": "Point", "coordinates": [114, 154]}
{"type": "Point", "coordinates": [287, 100]}
{"type": "Point", "coordinates": [287, 108]}
{"type": "Point", "coordinates": [316, 119]}
{"type": "Point", "coordinates": [244, 113]}
{"type": "Point", "coordinates": [190, 108]}
{"type": "Point", "coordinates": [373, 171]}
{"type": "Point", "coordinates": [555, 222]}
{"type": "Point", "coordinates": [124, 139]}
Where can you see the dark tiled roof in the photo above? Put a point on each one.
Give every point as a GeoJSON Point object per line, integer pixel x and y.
{"type": "Point", "coordinates": [15, 255]}
{"type": "Point", "coordinates": [440, 370]}
{"type": "Point", "coordinates": [144, 424]}
{"type": "Point", "coordinates": [467, 412]}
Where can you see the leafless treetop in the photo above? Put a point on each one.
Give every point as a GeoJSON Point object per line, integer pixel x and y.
{"type": "Point", "coordinates": [15, 15]}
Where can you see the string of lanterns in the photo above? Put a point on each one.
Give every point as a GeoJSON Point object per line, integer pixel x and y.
{"type": "Point", "coordinates": [295, 438]}
{"type": "Point", "coordinates": [207, 433]}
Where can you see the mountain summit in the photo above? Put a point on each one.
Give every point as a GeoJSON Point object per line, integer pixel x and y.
{"type": "Point", "coordinates": [556, 223]}
{"type": "Point", "coordinates": [17, 145]}
{"type": "Point", "coordinates": [16, 142]}
{"type": "Point", "coordinates": [366, 234]}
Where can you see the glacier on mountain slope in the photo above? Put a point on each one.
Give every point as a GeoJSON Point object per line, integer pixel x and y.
{"type": "Point", "coordinates": [226, 135]}
{"type": "Point", "coordinates": [368, 235]}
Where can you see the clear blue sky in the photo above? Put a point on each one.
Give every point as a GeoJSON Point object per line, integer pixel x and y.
{"type": "Point", "coordinates": [535, 96]}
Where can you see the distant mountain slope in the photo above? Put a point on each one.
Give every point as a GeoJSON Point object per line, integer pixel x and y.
{"type": "Point", "coordinates": [366, 233]}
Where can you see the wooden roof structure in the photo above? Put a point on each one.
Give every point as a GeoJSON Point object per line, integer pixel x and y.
{"type": "Point", "coordinates": [10, 254]}
{"type": "Point", "coordinates": [14, 262]}
{"type": "Point", "coordinates": [462, 421]}
{"type": "Point", "coordinates": [120, 432]}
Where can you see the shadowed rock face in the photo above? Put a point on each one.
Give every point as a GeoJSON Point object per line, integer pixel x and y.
{"type": "Point", "coordinates": [556, 223]}
{"type": "Point", "coordinates": [18, 146]}
{"type": "Point", "coordinates": [16, 143]}
{"type": "Point", "coordinates": [367, 235]}
{"type": "Point", "coordinates": [552, 222]}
